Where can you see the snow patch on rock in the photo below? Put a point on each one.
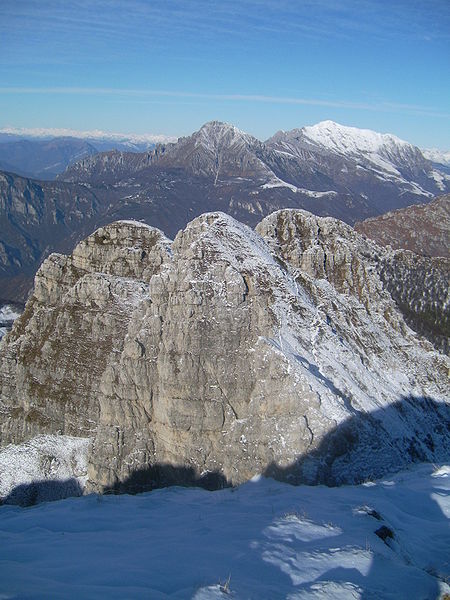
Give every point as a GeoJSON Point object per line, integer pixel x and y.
{"type": "Point", "coordinates": [47, 467]}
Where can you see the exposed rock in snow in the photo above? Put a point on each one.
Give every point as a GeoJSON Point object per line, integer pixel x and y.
{"type": "Point", "coordinates": [230, 353]}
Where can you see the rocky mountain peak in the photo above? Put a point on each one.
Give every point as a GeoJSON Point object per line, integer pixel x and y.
{"type": "Point", "coordinates": [360, 151]}
{"type": "Point", "coordinates": [225, 133]}
{"type": "Point", "coordinates": [226, 353]}
{"type": "Point", "coordinates": [352, 142]}
{"type": "Point", "coordinates": [216, 136]}
{"type": "Point", "coordinates": [218, 149]}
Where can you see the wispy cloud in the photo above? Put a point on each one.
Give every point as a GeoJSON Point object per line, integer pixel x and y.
{"type": "Point", "coordinates": [235, 97]}
{"type": "Point", "coordinates": [146, 24]}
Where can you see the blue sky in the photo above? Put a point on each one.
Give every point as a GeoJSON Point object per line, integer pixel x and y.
{"type": "Point", "coordinates": [144, 66]}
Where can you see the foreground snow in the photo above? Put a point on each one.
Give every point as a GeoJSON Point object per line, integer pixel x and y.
{"type": "Point", "coordinates": [270, 540]}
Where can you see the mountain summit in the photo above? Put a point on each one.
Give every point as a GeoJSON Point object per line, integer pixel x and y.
{"type": "Point", "coordinates": [363, 172]}
{"type": "Point", "coordinates": [350, 140]}
{"type": "Point", "coordinates": [218, 150]}
{"type": "Point", "coordinates": [359, 152]}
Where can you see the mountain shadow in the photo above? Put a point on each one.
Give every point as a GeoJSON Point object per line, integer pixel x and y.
{"type": "Point", "coordinates": [162, 475]}
{"type": "Point", "coordinates": [35, 492]}
{"type": "Point", "coordinates": [369, 445]}
{"type": "Point", "coordinates": [366, 446]}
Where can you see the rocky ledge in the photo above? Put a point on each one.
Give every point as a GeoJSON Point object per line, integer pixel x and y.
{"type": "Point", "coordinates": [225, 353]}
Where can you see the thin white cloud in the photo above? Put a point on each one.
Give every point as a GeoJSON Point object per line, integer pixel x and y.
{"type": "Point", "coordinates": [310, 17]}
{"type": "Point", "coordinates": [375, 107]}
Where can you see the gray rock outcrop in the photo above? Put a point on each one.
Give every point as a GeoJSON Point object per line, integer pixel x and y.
{"type": "Point", "coordinates": [226, 353]}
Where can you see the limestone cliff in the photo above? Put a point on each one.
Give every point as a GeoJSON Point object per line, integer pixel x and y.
{"type": "Point", "coordinates": [226, 353]}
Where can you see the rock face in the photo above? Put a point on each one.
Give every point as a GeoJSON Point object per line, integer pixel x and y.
{"type": "Point", "coordinates": [226, 353]}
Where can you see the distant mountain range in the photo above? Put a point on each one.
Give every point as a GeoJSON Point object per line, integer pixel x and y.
{"type": "Point", "coordinates": [328, 169]}
{"type": "Point", "coordinates": [42, 159]}
{"type": "Point", "coordinates": [45, 153]}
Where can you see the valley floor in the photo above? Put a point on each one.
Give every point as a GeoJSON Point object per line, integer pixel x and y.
{"type": "Point", "coordinates": [263, 540]}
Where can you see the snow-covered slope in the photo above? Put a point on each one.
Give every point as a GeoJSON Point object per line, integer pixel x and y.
{"type": "Point", "coordinates": [378, 155]}
{"type": "Point", "coordinates": [262, 541]}
{"type": "Point", "coordinates": [440, 157]}
{"type": "Point", "coordinates": [351, 140]}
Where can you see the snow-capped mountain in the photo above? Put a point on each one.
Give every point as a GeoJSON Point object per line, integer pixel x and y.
{"type": "Point", "coordinates": [352, 155]}
{"type": "Point", "coordinates": [351, 141]}
{"type": "Point", "coordinates": [327, 169]}
{"type": "Point", "coordinates": [370, 171]}
{"type": "Point", "coordinates": [439, 157]}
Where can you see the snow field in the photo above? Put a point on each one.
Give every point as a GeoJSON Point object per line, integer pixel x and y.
{"type": "Point", "coordinates": [263, 540]}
